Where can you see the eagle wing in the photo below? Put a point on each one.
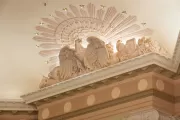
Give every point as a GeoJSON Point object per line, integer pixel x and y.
{"type": "Point", "coordinates": [90, 56]}
{"type": "Point", "coordinates": [67, 63]}
{"type": "Point", "coordinates": [103, 57]}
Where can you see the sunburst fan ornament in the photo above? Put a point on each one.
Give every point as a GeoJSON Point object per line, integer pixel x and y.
{"type": "Point", "coordinates": [79, 22]}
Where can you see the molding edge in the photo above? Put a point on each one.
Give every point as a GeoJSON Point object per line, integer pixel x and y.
{"type": "Point", "coordinates": [16, 106]}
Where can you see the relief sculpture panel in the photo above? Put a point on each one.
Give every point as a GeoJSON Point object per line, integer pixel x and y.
{"type": "Point", "coordinates": [79, 60]}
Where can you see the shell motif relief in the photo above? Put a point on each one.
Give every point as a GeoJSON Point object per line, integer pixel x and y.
{"type": "Point", "coordinates": [62, 36]}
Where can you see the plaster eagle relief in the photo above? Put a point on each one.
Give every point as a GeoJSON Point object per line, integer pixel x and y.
{"type": "Point", "coordinates": [70, 63]}
{"type": "Point", "coordinates": [78, 61]}
{"type": "Point", "coordinates": [70, 66]}
{"type": "Point", "coordinates": [65, 27]}
{"type": "Point", "coordinates": [74, 62]}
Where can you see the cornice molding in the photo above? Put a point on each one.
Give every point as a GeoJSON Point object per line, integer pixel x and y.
{"type": "Point", "coordinates": [15, 106]}
{"type": "Point", "coordinates": [113, 70]}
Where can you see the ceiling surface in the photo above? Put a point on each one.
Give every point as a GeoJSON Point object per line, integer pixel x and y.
{"type": "Point", "coordinates": [21, 66]}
